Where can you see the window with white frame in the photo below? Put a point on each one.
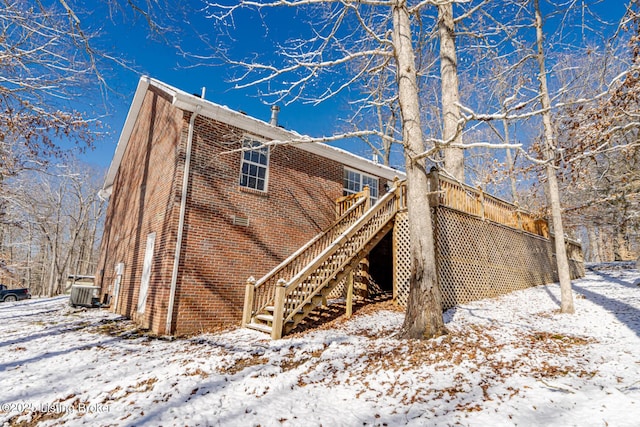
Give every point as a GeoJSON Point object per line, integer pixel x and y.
{"type": "Point", "coordinates": [355, 181]}
{"type": "Point", "coordinates": [255, 165]}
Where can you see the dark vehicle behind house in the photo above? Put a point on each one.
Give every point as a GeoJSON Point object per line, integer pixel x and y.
{"type": "Point", "coordinates": [7, 294]}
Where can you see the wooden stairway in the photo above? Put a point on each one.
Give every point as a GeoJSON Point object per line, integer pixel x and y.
{"type": "Point", "coordinates": [279, 301]}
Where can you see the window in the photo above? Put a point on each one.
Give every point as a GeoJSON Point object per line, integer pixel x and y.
{"type": "Point", "coordinates": [255, 162]}
{"type": "Point", "coordinates": [354, 182]}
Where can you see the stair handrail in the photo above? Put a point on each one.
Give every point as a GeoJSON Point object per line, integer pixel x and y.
{"type": "Point", "coordinates": [393, 195]}
{"type": "Point", "coordinates": [343, 237]}
{"type": "Point", "coordinates": [308, 244]}
{"type": "Point", "coordinates": [254, 305]}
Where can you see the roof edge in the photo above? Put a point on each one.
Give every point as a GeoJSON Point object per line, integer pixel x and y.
{"type": "Point", "coordinates": [188, 102]}
{"type": "Point", "coordinates": [127, 129]}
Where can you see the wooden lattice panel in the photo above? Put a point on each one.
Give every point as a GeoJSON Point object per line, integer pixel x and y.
{"type": "Point", "coordinates": [401, 258]}
{"type": "Point", "coordinates": [479, 259]}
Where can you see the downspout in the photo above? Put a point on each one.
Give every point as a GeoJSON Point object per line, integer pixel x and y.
{"type": "Point", "coordinates": [183, 209]}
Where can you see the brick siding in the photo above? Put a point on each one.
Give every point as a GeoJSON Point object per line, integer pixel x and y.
{"type": "Point", "coordinates": [217, 256]}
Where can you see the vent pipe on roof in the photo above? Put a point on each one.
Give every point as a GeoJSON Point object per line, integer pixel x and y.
{"type": "Point", "coordinates": [274, 115]}
{"type": "Point", "coordinates": [204, 91]}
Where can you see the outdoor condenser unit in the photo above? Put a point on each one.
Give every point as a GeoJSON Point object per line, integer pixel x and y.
{"type": "Point", "coordinates": [84, 296]}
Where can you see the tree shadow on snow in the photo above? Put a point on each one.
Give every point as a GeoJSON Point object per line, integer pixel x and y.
{"type": "Point", "coordinates": [552, 296]}
{"type": "Point", "coordinates": [625, 313]}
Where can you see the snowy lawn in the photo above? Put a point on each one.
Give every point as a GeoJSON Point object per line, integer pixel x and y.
{"type": "Point", "coordinates": [512, 360]}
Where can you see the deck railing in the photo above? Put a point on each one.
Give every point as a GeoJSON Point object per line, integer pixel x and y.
{"type": "Point", "coordinates": [300, 288]}
{"type": "Point", "coordinates": [345, 202]}
{"type": "Point", "coordinates": [474, 201]}
{"type": "Point", "coordinates": [259, 294]}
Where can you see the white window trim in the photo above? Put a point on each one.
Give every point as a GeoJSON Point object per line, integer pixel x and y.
{"type": "Point", "coordinates": [252, 138]}
{"type": "Point", "coordinates": [362, 174]}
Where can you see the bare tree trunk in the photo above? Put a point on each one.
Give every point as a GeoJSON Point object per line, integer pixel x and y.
{"type": "Point", "coordinates": [510, 165]}
{"type": "Point", "coordinates": [92, 252]}
{"type": "Point", "coordinates": [52, 274]}
{"type": "Point", "coordinates": [566, 305]}
{"type": "Point", "coordinates": [43, 272]}
{"type": "Point", "coordinates": [603, 249]}
{"type": "Point", "coordinates": [29, 254]}
{"type": "Point", "coordinates": [424, 307]}
{"type": "Point", "coordinates": [621, 246]}
{"type": "Point", "coordinates": [453, 157]}
{"type": "Point", "coordinates": [594, 252]}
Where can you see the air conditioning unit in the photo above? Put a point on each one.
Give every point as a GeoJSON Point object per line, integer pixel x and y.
{"type": "Point", "coordinates": [84, 296]}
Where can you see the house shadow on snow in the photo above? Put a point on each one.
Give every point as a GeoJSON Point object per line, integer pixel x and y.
{"type": "Point", "coordinates": [322, 315]}
{"type": "Point", "coordinates": [625, 313]}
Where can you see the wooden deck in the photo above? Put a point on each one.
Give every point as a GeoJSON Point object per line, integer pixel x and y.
{"type": "Point", "coordinates": [281, 300]}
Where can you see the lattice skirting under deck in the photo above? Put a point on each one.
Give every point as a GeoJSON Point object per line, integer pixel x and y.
{"type": "Point", "coordinates": [479, 259]}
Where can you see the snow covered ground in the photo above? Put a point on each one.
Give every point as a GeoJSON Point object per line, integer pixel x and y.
{"type": "Point", "coordinates": [508, 361]}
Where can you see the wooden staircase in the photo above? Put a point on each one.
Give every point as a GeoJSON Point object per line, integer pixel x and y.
{"type": "Point", "coordinates": [279, 301]}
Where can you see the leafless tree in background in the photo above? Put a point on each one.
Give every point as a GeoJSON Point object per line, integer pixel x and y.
{"type": "Point", "coordinates": [56, 219]}
{"type": "Point", "coordinates": [602, 142]}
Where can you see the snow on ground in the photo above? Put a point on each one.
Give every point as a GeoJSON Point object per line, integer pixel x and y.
{"type": "Point", "coordinates": [513, 360]}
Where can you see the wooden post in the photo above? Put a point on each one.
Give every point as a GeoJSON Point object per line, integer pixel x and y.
{"type": "Point", "coordinates": [350, 294]}
{"type": "Point", "coordinates": [367, 194]}
{"type": "Point", "coordinates": [249, 292]}
{"type": "Point", "coordinates": [518, 214]}
{"type": "Point", "coordinates": [481, 200]}
{"type": "Point", "coordinates": [278, 310]}
{"type": "Point", "coordinates": [434, 188]}
{"type": "Point", "coordinates": [398, 193]}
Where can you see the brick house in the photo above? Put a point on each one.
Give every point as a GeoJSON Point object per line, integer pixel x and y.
{"type": "Point", "coordinates": [198, 203]}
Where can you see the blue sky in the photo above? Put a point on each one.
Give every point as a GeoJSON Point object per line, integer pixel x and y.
{"type": "Point", "coordinates": [147, 55]}
{"type": "Point", "coordinates": [128, 38]}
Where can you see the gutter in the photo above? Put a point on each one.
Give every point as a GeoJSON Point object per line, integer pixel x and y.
{"type": "Point", "coordinates": [183, 209]}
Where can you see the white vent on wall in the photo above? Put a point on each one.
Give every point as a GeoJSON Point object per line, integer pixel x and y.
{"type": "Point", "coordinates": [237, 220]}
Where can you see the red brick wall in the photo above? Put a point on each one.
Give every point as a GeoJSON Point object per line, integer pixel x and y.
{"type": "Point", "coordinates": [142, 202]}
{"type": "Point", "coordinates": [220, 256]}
{"type": "Point", "coordinates": [217, 256]}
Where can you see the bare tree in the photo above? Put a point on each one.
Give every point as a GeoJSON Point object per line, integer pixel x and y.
{"type": "Point", "coordinates": [552, 182]}
{"type": "Point", "coordinates": [45, 62]}
{"type": "Point", "coordinates": [368, 24]}
{"type": "Point", "coordinates": [48, 63]}
{"type": "Point", "coordinates": [452, 123]}
{"type": "Point", "coordinates": [55, 218]}
{"type": "Point", "coordinates": [601, 141]}
{"type": "Point", "coordinates": [424, 306]}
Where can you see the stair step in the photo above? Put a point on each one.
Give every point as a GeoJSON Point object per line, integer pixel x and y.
{"type": "Point", "coordinates": [265, 317]}
{"type": "Point", "coordinates": [329, 273]}
{"type": "Point", "coordinates": [260, 327]}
